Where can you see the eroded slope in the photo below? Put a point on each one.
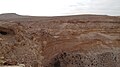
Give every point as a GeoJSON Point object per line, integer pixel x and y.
{"type": "Point", "coordinates": [75, 41]}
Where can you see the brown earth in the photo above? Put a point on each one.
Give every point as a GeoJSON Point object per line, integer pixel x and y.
{"type": "Point", "coordinates": [62, 41]}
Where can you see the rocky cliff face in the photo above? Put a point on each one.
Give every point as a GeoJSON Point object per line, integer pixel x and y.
{"type": "Point", "coordinates": [71, 41]}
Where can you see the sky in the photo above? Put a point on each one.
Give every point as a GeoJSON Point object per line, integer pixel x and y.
{"type": "Point", "coordinates": [60, 7]}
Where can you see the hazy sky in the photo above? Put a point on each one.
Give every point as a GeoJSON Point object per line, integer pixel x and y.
{"type": "Point", "coordinates": [60, 7]}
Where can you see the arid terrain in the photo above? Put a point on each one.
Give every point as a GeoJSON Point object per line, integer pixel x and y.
{"type": "Point", "coordinates": [61, 41]}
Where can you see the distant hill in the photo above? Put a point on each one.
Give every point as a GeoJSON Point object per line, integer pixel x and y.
{"type": "Point", "coordinates": [17, 17]}
{"type": "Point", "coordinates": [83, 17]}
{"type": "Point", "coordinates": [9, 16]}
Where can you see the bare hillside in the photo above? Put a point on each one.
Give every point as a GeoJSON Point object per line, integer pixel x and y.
{"type": "Point", "coordinates": [61, 41]}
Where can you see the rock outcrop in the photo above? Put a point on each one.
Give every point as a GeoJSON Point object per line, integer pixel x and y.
{"type": "Point", "coordinates": [71, 41]}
